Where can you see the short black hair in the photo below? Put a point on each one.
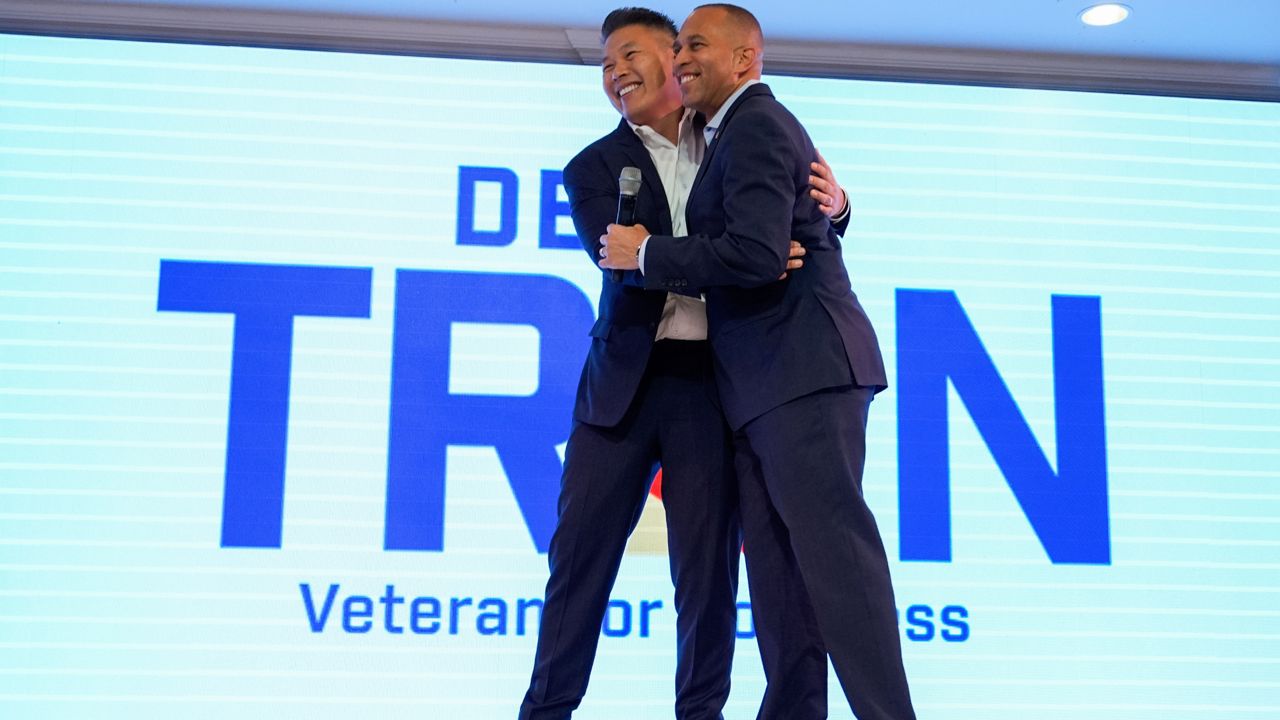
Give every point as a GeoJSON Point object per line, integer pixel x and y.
{"type": "Point", "coordinates": [624, 16]}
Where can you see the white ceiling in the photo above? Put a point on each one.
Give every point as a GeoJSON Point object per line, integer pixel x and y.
{"type": "Point", "coordinates": [1225, 48]}
{"type": "Point", "coordinates": [1215, 30]}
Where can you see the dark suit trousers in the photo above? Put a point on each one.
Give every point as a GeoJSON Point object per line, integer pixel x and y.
{"type": "Point", "coordinates": [676, 421]}
{"type": "Point", "coordinates": [816, 565]}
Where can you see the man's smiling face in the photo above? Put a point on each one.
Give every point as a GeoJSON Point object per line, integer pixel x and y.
{"type": "Point", "coordinates": [637, 73]}
{"type": "Point", "coordinates": [709, 59]}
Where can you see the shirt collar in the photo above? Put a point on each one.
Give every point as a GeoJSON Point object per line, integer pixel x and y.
{"type": "Point", "coordinates": [718, 119]}
{"type": "Point", "coordinates": [649, 136]}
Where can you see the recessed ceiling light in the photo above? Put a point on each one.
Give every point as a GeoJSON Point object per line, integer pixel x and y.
{"type": "Point", "coordinates": [1104, 14]}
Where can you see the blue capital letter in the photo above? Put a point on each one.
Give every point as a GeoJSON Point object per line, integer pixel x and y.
{"type": "Point", "coordinates": [551, 208]}
{"type": "Point", "coordinates": [1068, 509]}
{"type": "Point", "coordinates": [426, 418]}
{"type": "Point", "coordinates": [508, 186]}
{"type": "Point", "coordinates": [264, 300]}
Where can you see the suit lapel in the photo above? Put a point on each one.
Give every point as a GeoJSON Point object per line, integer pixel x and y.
{"type": "Point", "coordinates": [757, 89]}
{"type": "Point", "coordinates": [638, 155]}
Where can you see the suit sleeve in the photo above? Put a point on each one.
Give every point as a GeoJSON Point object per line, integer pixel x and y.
{"type": "Point", "coordinates": [593, 205]}
{"type": "Point", "coordinates": [841, 226]}
{"type": "Point", "coordinates": [759, 195]}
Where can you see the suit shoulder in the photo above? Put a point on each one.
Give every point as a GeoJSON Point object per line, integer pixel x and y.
{"type": "Point", "coordinates": [764, 121]}
{"type": "Point", "coordinates": [594, 154]}
{"type": "Point", "coordinates": [767, 109]}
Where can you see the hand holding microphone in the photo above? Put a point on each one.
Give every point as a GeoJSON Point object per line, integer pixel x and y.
{"type": "Point", "coordinates": [620, 247]}
{"type": "Point", "coordinates": [628, 189]}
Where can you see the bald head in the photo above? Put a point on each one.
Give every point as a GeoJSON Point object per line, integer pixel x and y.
{"type": "Point", "coordinates": [740, 20]}
{"type": "Point", "coordinates": [740, 25]}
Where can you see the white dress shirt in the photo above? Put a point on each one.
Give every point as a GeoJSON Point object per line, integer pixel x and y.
{"type": "Point", "coordinates": [680, 229]}
{"type": "Point", "coordinates": [683, 317]}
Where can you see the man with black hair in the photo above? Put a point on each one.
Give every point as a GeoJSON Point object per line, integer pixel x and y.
{"type": "Point", "coordinates": [646, 396]}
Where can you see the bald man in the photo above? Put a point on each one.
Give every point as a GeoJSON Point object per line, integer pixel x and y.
{"type": "Point", "coordinates": [796, 364]}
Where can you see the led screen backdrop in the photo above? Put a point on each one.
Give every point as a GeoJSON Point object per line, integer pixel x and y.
{"type": "Point", "coordinates": [288, 342]}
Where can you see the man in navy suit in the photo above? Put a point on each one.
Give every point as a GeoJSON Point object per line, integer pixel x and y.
{"type": "Point", "coordinates": [646, 396]}
{"type": "Point", "coordinates": [797, 365]}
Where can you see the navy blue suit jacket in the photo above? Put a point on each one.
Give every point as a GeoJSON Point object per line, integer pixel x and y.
{"type": "Point", "coordinates": [773, 341]}
{"type": "Point", "coordinates": [622, 336]}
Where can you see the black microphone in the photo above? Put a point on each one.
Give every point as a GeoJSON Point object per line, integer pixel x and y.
{"type": "Point", "coordinates": [628, 188]}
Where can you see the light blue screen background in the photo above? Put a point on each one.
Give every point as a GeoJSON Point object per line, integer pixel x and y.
{"type": "Point", "coordinates": [116, 599]}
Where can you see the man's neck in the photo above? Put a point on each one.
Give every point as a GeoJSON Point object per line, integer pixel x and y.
{"type": "Point", "coordinates": [668, 126]}
{"type": "Point", "coordinates": [738, 86]}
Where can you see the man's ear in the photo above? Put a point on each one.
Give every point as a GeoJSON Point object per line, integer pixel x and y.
{"type": "Point", "coordinates": [746, 60]}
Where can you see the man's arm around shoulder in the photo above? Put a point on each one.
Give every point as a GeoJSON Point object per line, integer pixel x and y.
{"type": "Point", "coordinates": [757, 176]}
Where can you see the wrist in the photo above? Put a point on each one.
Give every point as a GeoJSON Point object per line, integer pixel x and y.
{"type": "Point", "coordinates": [844, 211]}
